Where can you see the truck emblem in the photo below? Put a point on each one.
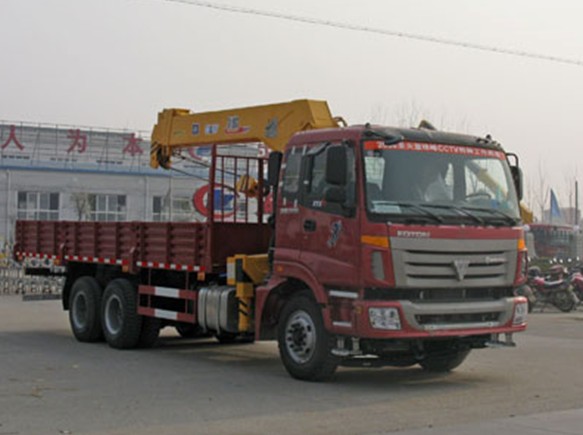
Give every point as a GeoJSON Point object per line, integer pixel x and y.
{"type": "Point", "coordinates": [461, 267]}
{"type": "Point", "coordinates": [335, 230]}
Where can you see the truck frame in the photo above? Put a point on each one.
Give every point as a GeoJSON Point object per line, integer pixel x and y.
{"type": "Point", "coordinates": [335, 274]}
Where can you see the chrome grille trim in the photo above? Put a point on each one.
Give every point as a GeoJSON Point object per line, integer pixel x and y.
{"type": "Point", "coordinates": [431, 263]}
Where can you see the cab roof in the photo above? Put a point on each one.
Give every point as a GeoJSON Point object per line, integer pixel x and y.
{"type": "Point", "coordinates": [398, 134]}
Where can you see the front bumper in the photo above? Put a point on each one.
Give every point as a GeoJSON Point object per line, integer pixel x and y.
{"type": "Point", "coordinates": [426, 319]}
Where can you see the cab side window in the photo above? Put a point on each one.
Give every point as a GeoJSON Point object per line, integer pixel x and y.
{"type": "Point", "coordinates": [314, 181]}
{"type": "Point", "coordinates": [291, 178]}
{"type": "Point", "coordinates": [315, 178]}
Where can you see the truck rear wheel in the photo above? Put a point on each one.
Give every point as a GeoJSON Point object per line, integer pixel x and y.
{"type": "Point", "coordinates": [444, 363]}
{"type": "Point", "coordinates": [122, 325]}
{"type": "Point", "coordinates": [84, 310]}
{"type": "Point", "coordinates": [304, 344]}
{"type": "Point", "coordinates": [186, 330]}
{"type": "Point", "coordinates": [150, 332]}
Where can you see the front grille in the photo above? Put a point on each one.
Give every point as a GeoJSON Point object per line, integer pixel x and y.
{"type": "Point", "coordinates": [460, 264]}
{"type": "Point", "coordinates": [441, 265]}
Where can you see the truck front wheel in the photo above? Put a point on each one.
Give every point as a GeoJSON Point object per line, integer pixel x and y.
{"type": "Point", "coordinates": [122, 325]}
{"type": "Point", "coordinates": [150, 332]}
{"type": "Point", "coordinates": [444, 363]}
{"type": "Point", "coordinates": [304, 344]}
{"type": "Point", "coordinates": [84, 305]}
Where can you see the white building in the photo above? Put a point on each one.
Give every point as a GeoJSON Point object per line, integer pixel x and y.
{"type": "Point", "coordinates": [50, 172]}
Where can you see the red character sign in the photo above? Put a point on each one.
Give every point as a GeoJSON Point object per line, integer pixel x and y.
{"type": "Point", "coordinates": [133, 146]}
{"type": "Point", "coordinates": [12, 138]}
{"type": "Point", "coordinates": [78, 140]}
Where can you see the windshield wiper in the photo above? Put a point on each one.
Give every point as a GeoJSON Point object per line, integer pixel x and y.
{"type": "Point", "coordinates": [416, 207]}
{"type": "Point", "coordinates": [461, 210]}
{"type": "Point", "coordinates": [507, 218]}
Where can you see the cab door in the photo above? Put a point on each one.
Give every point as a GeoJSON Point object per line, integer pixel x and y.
{"type": "Point", "coordinates": [328, 219]}
{"type": "Point", "coordinates": [288, 233]}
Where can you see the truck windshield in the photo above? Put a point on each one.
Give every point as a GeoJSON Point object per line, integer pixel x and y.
{"type": "Point", "coordinates": [439, 183]}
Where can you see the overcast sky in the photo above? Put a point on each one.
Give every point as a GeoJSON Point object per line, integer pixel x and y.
{"type": "Point", "coordinates": [116, 63]}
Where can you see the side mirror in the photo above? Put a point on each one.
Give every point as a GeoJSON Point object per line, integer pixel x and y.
{"type": "Point", "coordinates": [273, 168]}
{"type": "Point", "coordinates": [517, 178]}
{"type": "Point", "coordinates": [516, 173]}
{"type": "Point", "coordinates": [336, 165]}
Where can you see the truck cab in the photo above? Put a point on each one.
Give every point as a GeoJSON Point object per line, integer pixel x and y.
{"type": "Point", "coordinates": [398, 276]}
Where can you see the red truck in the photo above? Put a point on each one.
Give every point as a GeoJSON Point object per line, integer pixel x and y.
{"type": "Point", "coordinates": [385, 246]}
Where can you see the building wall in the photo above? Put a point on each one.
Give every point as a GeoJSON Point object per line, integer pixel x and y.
{"type": "Point", "coordinates": [78, 162]}
{"type": "Point", "coordinates": [139, 191]}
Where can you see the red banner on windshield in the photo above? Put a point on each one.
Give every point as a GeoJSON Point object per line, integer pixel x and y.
{"type": "Point", "coordinates": [435, 148]}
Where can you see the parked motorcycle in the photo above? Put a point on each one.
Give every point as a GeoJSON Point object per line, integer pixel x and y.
{"type": "Point", "coordinates": [555, 289]}
{"type": "Point", "coordinates": [576, 280]}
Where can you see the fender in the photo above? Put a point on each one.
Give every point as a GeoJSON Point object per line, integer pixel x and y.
{"type": "Point", "coordinates": [284, 272]}
{"type": "Point", "coordinates": [261, 295]}
{"type": "Point", "coordinates": [302, 273]}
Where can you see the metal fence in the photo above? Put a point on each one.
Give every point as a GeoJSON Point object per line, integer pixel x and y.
{"type": "Point", "coordinates": [13, 280]}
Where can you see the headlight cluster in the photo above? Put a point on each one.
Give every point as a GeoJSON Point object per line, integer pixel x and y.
{"type": "Point", "coordinates": [384, 318]}
{"type": "Point", "coordinates": [520, 312]}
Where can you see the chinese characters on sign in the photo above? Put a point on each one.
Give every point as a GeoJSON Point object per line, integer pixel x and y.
{"type": "Point", "coordinates": [71, 147]}
{"type": "Point", "coordinates": [12, 138]}
{"type": "Point", "coordinates": [133, 146]}
{"type": "Point", "coordinates": [78, 140]}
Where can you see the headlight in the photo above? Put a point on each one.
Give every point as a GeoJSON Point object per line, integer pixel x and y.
{"type": "Point", "coordinates": [520, 312]}
{"type": "Point", "coordinates": [384, 318]}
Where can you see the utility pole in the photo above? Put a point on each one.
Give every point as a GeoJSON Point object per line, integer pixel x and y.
{"type": "Point", "coordinates": [576, 203]}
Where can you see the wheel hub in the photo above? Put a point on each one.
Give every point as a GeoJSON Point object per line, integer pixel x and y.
{"type": "Point", "coordinates": [79, 311]}
{"type": "Point", "coordinates": [300, 337]}
{"type": "Point", "coordinates": [114, 314]}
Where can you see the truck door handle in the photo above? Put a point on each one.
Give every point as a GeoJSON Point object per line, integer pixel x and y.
{"type": "Point", "coordinates": [309, 225]}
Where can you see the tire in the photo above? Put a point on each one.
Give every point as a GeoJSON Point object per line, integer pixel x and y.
{"type": "Point", "coordinates": [186, 330]}
{"type": "Point", "coordinates": [444, 363]}
{"type": "Point", "coordinates": [150, 332]}
{"type": "Point", "coordinates": [84, 310]}
{"type": "Point", "coordinates": [304, 344]}
{"type": "Point", "coordinates": [122, 325]}
{"type": "Point", "coordinates": [230, 338]}
{"type": "Point", "coordinates": [226, 338]}
{"type": "Point", "coordinates": [564, 301]}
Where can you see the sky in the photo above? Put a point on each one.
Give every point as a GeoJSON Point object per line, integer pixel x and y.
{"type": "Point", "coordinates": [117, 63]}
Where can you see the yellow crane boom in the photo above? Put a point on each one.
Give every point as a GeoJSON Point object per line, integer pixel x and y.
{"type": "Point", "coordinates": [271, 124]}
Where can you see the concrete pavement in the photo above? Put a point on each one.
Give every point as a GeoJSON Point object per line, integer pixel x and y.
{"type": "Point", "coordinates": [547, 423]}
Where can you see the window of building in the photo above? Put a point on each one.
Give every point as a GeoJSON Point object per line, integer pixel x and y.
{"type": "Point", "coordinates": [38, 206]}
{"type": "Point", "coordinates": [107, 208]}
{"type": "Point", "coordinates": [180, 209]}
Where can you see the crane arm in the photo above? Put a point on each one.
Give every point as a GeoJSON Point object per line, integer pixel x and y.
{"type": "Point", "coordinates": [271, 124]}
{"type": "Point", "coordinates": [526, 214]}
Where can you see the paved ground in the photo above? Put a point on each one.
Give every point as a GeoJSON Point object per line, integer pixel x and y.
{"type": "Point", "coordinates": [50, 384]}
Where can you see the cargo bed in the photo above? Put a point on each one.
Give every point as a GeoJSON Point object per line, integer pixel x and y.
{"type": "Point", "coordinates": [191, 246]}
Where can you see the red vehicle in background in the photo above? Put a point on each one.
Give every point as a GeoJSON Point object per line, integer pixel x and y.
{"type": "Point", "coordinates": [363, 263]}
{"type": "Point", "coordinates": [554, 241]}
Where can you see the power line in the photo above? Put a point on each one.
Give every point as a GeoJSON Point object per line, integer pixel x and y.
{"type": "Point", "coordinates": [360, 28]}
